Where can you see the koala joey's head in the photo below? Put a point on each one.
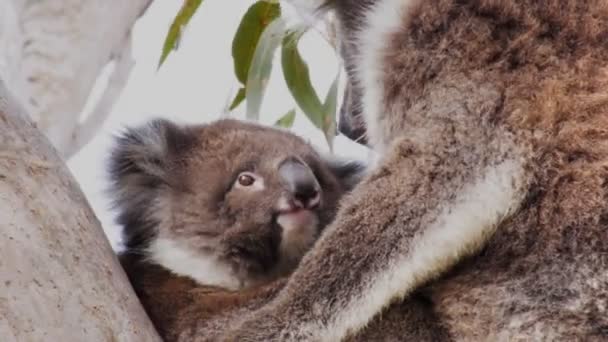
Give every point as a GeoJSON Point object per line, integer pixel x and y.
{"type": "Point", "coordinates": [229, 203]}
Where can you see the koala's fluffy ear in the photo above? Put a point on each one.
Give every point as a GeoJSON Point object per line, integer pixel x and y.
{"type": "Point", "coordinates": [348, 172]}
{"type": "Point", "coordinates": [317, 5]}
{"type": "Point", "coordinates": [139, 167]}
{"type": "Point", "coordinates": [311, 10]}
{"type": "Point", "coordinates": [142, 154]}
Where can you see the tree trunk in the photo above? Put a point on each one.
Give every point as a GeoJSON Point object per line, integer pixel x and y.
{"type": "Point", "coordinates": [59, 278]}
{"type": "Point", "coordinates": [51, 54]}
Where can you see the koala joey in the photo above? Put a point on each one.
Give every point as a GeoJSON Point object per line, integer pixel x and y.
{"type": "Point", "coordinates": [490, 195]}
{"type": "Point", "coordinates": [229, 205]}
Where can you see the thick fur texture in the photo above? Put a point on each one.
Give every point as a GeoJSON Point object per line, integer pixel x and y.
{"type": "Point", "coordinates": [491, 195]}
{"type": "Point", "coordinates": [184, 310]}
{"type": "Point", "coordinates": [195, 229]}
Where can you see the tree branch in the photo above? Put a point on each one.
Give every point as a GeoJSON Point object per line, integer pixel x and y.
{"type": "Point", "coordinates": [87, 130]}
{"type": "Point", "coordinates": [65, 45]}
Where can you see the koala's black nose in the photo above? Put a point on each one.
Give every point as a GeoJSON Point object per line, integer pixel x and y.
{"type": "Point", "coordinates": [300, 181]}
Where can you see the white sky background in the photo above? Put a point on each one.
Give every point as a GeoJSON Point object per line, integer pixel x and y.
{"type": "Point", "coordinates": [193, 86]}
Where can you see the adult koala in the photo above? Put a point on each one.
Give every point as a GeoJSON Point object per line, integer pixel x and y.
{"type": "Point", "coordinates": [491, 117]}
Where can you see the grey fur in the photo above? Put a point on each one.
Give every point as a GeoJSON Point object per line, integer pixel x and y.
{"type": "Point", "coordinates": [491, 194]}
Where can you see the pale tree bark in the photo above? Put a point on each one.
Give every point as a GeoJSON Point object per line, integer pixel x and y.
{"type": "Point", "coordinates": [51, 53]}
{"type": "Point", "coordinates": [59, 278]}
{"type": "Point", "coordinates": [11, 39]}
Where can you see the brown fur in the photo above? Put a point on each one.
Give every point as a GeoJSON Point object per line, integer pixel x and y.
{"type": "Point", "coordinates": [548, 61]}
{"type": "Point", "coordinates": [177, 304]}
{"type": "Point", "coordinates": [469, 85]}
{"type": "Point", "coordinates": [180, 308]}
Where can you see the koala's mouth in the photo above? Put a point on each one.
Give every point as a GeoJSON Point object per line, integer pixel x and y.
{"type": "Point", "coordinates": [295, 220]}
{"type": "Point", "coordinates": [299, 230]}
{"type": "Point", "coordinates": [298, 213]}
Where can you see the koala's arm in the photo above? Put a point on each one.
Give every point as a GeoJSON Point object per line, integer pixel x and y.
{"type": "Point", "coordinates": [210, 311]}
{"type": "Point", "coordinates": [433, 200]}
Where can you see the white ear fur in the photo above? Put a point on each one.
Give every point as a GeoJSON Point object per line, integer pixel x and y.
{"type": "Point", "coordinates": [310, 11]}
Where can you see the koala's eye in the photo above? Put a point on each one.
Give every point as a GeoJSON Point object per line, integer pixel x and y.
{"type": "Point", "coordinates": [246, 179]}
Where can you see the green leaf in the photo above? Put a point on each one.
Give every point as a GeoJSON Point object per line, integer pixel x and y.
{"type": "Point", "coordinates": [286, 121]}
{"type": "Point", "coordinates": [240, 96]}
{"type": "Point", "coordinates": [175, 30]}
{"type": "Point", "coordinates": [329, 112]}
{"type": "Point", "coordinates": [248, 34]}
{"type": "Point", "coordinates": [298, 81]}
{"type": "Point", "coordinates": [261, 66]}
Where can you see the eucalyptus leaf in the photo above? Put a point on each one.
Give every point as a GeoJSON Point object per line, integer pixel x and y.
{"type": "Point", "coordinates": [182, 18]}
{"type": "Point", "coordinates": [286, 121]}
{"type": "Point", "coordinates": [254, 22]}
{"type": "Point", "coordinates": [261, 66]}
{"type": "Point", "coordinates": [329, 112]}
{"type": "Point", "coordinates": [298, 80]}
{"type": "Point", "coordinates": [240, 96]}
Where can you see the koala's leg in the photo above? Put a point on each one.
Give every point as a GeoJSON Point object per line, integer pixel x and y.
{"type": "Point", "coordinates": [421, 211]}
